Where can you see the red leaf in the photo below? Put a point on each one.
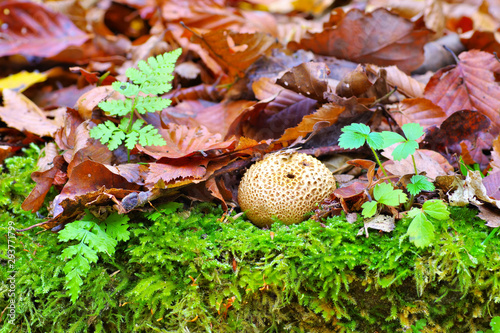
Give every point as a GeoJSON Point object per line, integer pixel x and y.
{"type": "Point", "coordinates": [31, 29]}
{"type": "Point", "coordinates": [470, 85]}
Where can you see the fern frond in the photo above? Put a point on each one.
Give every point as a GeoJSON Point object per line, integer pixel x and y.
{"type": "Point", "coordinates": [149, 136]}
{"type": "Point", "coordinates": [126, 88]}
{"type": "Point", "coordinates": [117, 107]}
{"type": "Point", "coordinates": [109, 134]}
{"type": "Point", "coordinates": [156, 69]}
{"type": "Point", "coordinates": [151, 104]}
{"type": "Point", "coordinates": [155, 88]}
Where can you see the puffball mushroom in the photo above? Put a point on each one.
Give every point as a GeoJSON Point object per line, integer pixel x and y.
{"type": "Point", "coordinates": [284, 186]}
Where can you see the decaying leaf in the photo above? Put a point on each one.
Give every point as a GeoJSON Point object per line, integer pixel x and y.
{"type": "Point", "coordinates": [379, 37]}
{"type": "Point", "coordinates": [469, 85]}
{"type": "Point", "coordinates": [22, 114]}
{"type": "Point", "coordinates": [32, 29]}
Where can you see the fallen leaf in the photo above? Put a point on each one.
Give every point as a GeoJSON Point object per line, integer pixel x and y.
{"type": "Point", "coordinates": [418, 110]}
{"type": "Point", "coordinates": [183, 141]}
{"type": "Point", "coordinates": [469, 85]}
{"type": "Point", "coordinates": [21, 113]}
{"type": "Point", "coordinates": [236, 62]}
{"type": "Point", "coordinates": [31, 29]}
{"type": "Point", "coordinates": [381, 38]}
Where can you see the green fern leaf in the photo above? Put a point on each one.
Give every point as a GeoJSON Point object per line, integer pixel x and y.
{"type": "Point", "coordinates": [116, 226]}
{"type": "Point", "coordinates": [117, 107]}
{"type": "Point", "coordinates": [149, 136]}
{"type": "Point", "coordinates": [126, 88]}
{"type": "Point", "coordinates": [151, 104]}
{"type": "Point", "coordinates": [131, 140]}
{"type": "Point", "coordinates": [109, 134]}
{"type": "Point", "coordinates": [155, 88]}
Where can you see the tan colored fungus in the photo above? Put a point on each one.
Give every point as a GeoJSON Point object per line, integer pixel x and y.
{"type": "Point", "coordinates": [284, 186]}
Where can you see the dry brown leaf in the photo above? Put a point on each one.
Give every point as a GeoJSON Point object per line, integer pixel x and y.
{"type": "Point", "coordinates": [33, 30]}
{"type": "Point", "coordinates": [381, 38]}
{"type": "Point", "coordinates": [328, 113]}
{"type": "Point", "coordinates": [183, 141]}
{"type": "Point", "coordinates": [470, 85]}
{"type": "Point", "coordinates": [221, 44]}
{"type": "Point", "coordinates": [21, 113]}
{"type": "Point", "coordinates": [418, 110]}
{"type": "Point", "coordinates": [407, 85]}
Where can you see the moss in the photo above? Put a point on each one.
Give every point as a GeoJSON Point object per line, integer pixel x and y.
{"type": "Point", "coordinates": [189, 270]}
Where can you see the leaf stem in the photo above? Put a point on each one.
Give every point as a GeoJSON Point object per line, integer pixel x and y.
{"type": "Point", "coordinates": [380, 164]}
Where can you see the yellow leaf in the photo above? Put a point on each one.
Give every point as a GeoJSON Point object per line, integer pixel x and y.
{"type": "Point", "coordinates": [21, 81]}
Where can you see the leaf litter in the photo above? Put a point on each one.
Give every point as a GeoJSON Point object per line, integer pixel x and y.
{"type": "Point", "coordinates": [251, 82]}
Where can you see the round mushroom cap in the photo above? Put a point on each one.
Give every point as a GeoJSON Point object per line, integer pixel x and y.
{"type": "Point", "coordinates": [284, 186]}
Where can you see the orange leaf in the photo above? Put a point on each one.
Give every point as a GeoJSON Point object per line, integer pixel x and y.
{"type": "Point", "coordinates": [235, 51]}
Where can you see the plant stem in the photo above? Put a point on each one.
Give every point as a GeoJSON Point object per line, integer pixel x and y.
{"type": "Point", "coordinates": [410, 202]}
{"type": "Point", "coordinates": [380, 164]}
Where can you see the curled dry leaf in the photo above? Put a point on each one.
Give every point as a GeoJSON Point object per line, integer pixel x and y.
{"type": "Point", "coordinates": [406, 85]}
{"type": "Point", "coordinates": [307, 79]}
{"type": "Point", "coordinates": [428, 161]}
{"type": "Point", "coordinates": [33, 30]}
{"type": "Point", "coordinates": [379, 37]}
{"type": "Point", "coordinates": [327, 113]}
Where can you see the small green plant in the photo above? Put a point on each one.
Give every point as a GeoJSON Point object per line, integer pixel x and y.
{"type": "Point", "coordinates": [141, 95]}
{"type": "Point", "coordinates": [94, 237]}
{"type": "Point", "coordinates": [421, 229]}
{"type": "Point", "coordinates": [384, 194]}
{"type": "Point", "coordinates": [419, 325]}
{"type": "Point", "coordinates": [355, 135]}
{"type": "Point", "coordinates": [495, 326]}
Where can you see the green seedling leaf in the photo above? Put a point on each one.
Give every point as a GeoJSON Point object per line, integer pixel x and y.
{"type": "Point", "coordinates": [386, 194]}
{"type": "Point", "coordinates": [419, 183]}
{"type": "Point", "coordinates": [369, 208]}
{"type": "Point", "coordinates": [126, 88]}
{"type": "Point", "coordinates": [375, 140]}
{"type": "Point", "coordinates": [116, 226]}
{"type": "Point", "coordinates": [353, 136]}
{"type": "Point", "coordinates": [420, 230]}
{"type": "Point", "coordinates": [94, 237]}
{"type": "Point", "coordinates": [436, 209]}
{"type": "Point", "coordinates": [412, 131]}
{"type": "Point", "coordinates": [405, 149]}
{"type": "Point", "coordinates": [407, 146]}
{"type": "Point", "coordinates": [495, 324]}
{"type": "Point", "coordinates": [391, 138]}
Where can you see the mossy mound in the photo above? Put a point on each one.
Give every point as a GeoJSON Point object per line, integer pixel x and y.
{"type": "Point", "coordinates": [191, 271]}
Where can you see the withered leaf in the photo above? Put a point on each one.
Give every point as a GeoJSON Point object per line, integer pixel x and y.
{"type": "Point", "coordinates": [379, 37]}
{"type": "Point", "coordinates": [307, 79]}
{"type": "Point", "coordinates": [31, 29]}
{"type": "Point", "coordinates": [21, 113]}
{"type": "Point", "coordinates": [469, 85]}
{"type": "Point", "coordinates": [236, 51]}
{"type": "Point", "coordinates": [183, 141]}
